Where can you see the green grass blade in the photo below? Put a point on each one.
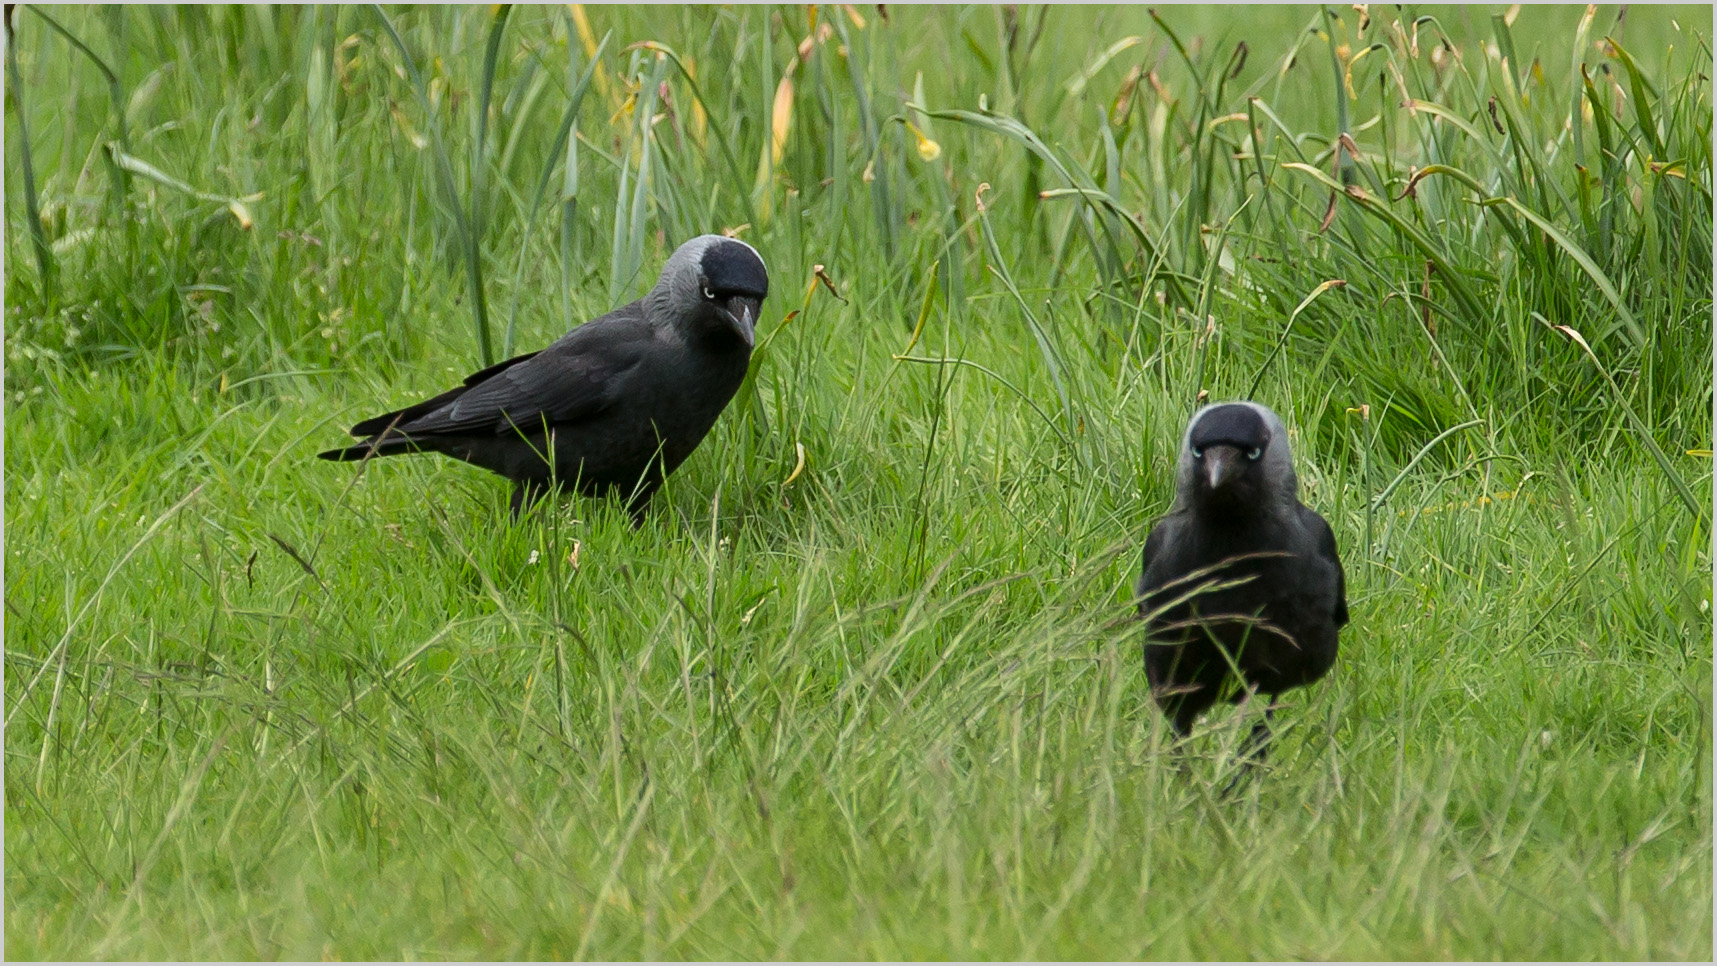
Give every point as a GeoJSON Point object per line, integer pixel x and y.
{"type": "Point", "coordinates": [1695, 506]}
{"type": "Point", "coordinates": [32, 199]}
{"type": "Point", "coordinates": [563, 135]}
{"type": "Point", "coordinates": [1370, 204]}
{"type": "Point", "coordinates": [1635, 334]}
{"type": "Point", "coordinates": [468, 242]}
{"type": "Point", "coordinates": [1252, 390]}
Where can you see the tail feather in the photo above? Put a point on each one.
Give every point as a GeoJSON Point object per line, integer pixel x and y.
{"type": "Point", "coordinates": [375, 425]}
{"type": "Point", "coordinates": [372, 447]}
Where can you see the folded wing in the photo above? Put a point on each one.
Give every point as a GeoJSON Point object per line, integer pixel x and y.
{"type": "Point", "coordinates": [572, 380]}
{"type": "Point", "coordinates": [1325, 539]}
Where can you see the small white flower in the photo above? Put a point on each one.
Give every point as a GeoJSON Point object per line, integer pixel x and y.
{"type": "Point", "coordinates": [533, 558]}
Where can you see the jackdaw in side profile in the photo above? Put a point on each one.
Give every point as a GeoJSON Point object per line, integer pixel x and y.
{"type": "Point", "coordinates": [1242, 586]}
{"type": "Point", "coordinates": [616, 404]}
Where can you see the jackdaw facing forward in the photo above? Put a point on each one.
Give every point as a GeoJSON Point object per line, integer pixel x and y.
{"type": "Point", "coordinates": [1240, 576]}
{"type": "Point", "coordinates": [616, 404]}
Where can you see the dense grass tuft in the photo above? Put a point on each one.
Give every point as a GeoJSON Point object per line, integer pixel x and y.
{"type": "Point", "coordinates": [864, 684]}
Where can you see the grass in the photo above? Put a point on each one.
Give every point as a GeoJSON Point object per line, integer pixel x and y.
{"type": "Point", "coordinates": [863, 685]}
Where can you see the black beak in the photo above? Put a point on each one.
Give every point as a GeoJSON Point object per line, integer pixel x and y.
{"type": "Point", "coordinates": [1220, 466]}
{"type": "Point", "coordinates": [742, 312]}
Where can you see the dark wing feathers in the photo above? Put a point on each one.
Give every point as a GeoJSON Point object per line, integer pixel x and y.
{"type": "Point", "coordinates": [482, 375]}
{"type": "Point", "coordinates": [1153, 547]}
{"type": "Point", "coordinates": [399, 417]}
{"type": "Point", "coordinates": [557, 387]}
{"type": "Point", "coordinates": [574, 379]}
{"type": "Point", "coordinates": [1325, 539]}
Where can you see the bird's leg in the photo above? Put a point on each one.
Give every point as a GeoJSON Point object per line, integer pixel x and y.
{"type": "Point", "coordinates": [1254, 749]}
{"type": "Point", "coordinates": [639, 502]}
{"type": "Point", "coordinates": [1182, 713]}
{"type": "Point", "coordinates": [1185, 713]}
{"type": "Point", "coordinates": [1257, 744]}
{"type": "Point", "coordinates": [525, 495]}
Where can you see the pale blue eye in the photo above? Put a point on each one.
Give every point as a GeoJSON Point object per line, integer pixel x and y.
{"type": "Point", "coordinates": [1197, 453]}
{"type": "Point", "coordinates": [1254, 453]}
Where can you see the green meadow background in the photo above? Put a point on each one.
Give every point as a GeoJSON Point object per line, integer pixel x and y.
{"type": "Point", "coordinates": [864, 684]}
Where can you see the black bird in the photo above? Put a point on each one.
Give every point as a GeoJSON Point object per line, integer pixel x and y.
{"type": "Point", "coordinates": [616, 404]}
{"type": "Point", "coordinates": [1240, 578]}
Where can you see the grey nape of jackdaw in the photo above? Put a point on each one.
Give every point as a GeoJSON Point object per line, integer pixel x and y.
{"type": "Point", "coordinates": [1239, 576]}
{"type": "Point", "coordinates": [616, 404]}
